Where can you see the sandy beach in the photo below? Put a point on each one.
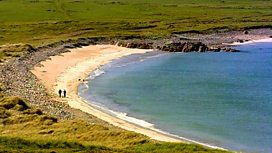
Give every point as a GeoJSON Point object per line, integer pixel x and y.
{"type": "Point", "coordinates": [60, 69]}
{"type": "Point", "coordinates": [65, 70]}
{"type": "Point", "coordinates": [68, 70]}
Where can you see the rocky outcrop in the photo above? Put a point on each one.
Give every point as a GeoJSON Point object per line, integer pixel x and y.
{"type": "Point", "coordinates": [227, 49]}
{"type": "Point", "coordinates": [140, 45]}
{"type": "Point", "coordinates": [224, 49]}
{"type": "Point", "coordinates": [184, 47]}
{"type": "Point", "coordinates": [215, 49]}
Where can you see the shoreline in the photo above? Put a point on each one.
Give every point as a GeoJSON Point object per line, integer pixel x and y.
{"type": "Point", "coordinates": [18, 79]}
{"type": "Point", "coordinates": [68, 78]}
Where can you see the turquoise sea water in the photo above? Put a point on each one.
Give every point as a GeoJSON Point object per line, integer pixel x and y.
{"type": "Point", "coordinates": [222, 99]}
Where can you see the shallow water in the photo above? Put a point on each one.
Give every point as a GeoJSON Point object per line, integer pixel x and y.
{"type": "Point", "coordinates": [223, 99]}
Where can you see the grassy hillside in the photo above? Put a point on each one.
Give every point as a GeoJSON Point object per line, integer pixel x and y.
{"type": "Point", "coordinates": [25, 129]}
{"type": "Point", "coordinates": [42, 21]}
{"type": "Point", "coordinates": [14, 50]}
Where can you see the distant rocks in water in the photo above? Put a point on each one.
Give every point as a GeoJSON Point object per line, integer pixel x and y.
{"type": "Point", "coordinates": [245, 32]}
{"type": "Point", "coordinates": [227, 49]}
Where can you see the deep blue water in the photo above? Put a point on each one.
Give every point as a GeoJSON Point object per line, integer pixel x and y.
{"type": "Point", "coordinates": [223, 99]}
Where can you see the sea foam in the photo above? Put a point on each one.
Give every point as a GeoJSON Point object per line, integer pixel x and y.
{"type": "Point", "coordinates": [96, 73]}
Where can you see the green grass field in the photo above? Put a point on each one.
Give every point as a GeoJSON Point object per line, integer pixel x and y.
{"type": "Point", "coordinates": [40, 22]}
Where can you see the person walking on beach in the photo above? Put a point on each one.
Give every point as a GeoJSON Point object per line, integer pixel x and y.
{"type": "Point", "coordinates": [64, 93]}
{"type": "Point", "coordinates": [60, 93]}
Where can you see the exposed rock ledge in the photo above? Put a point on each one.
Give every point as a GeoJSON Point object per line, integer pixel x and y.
{"type": "Point", "coordinates": [188, 46]}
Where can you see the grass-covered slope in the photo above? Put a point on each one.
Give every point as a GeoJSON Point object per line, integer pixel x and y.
{"type": "Point", "coordinates": [42, 21]}
{"type": "Point", "coordinates": [25, 129]}
{"type": "Point", "coordinates": [14, 50]}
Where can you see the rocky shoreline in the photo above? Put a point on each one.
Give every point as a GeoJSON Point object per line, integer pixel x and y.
{"type": "Point", "coordinates": [18, 80]}
{"type": "Point", "coordinates": [176, 46]}
{"type": "Point", "coordinates": [195, 42]}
